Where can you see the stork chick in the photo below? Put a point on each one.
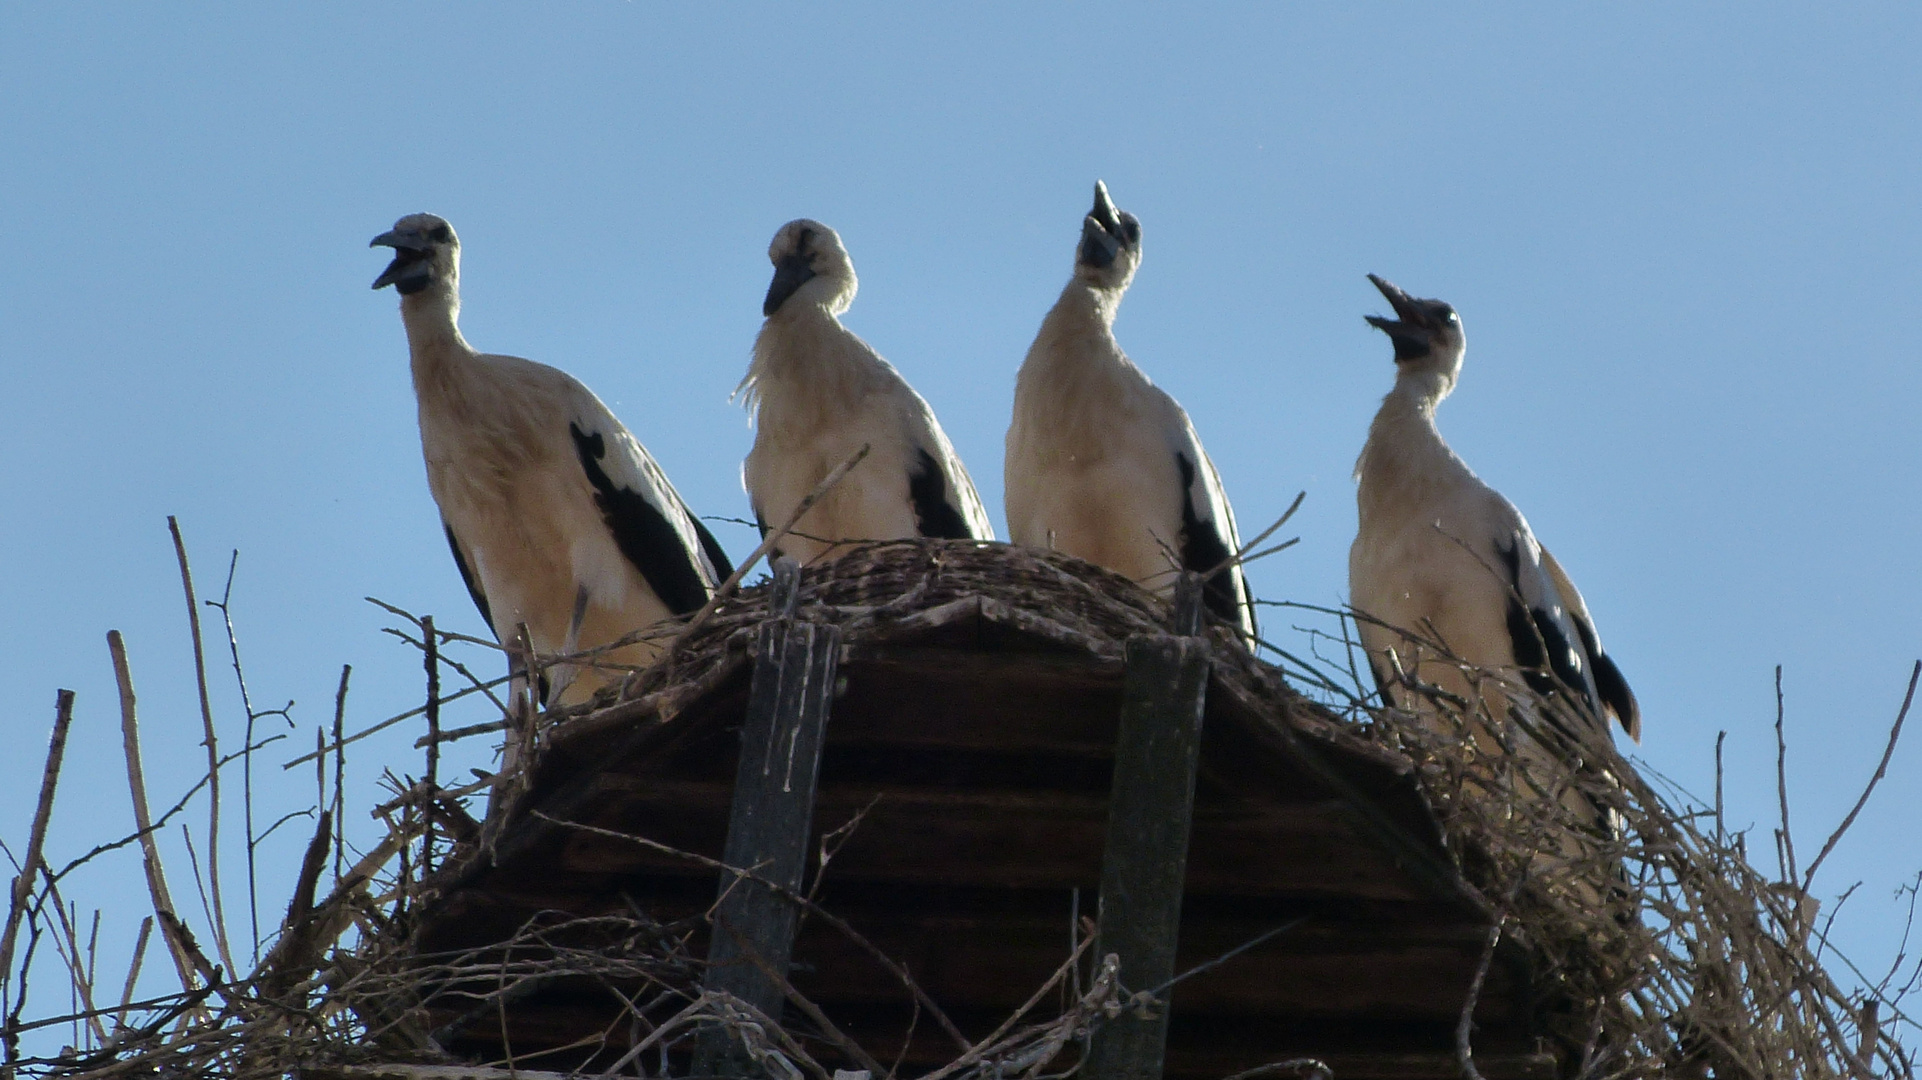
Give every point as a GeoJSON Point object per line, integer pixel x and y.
{"type": "Point", "coordinates": [817, 394]}
{"type": "Point", "coordinates": [557, 517]}
{"type": "Point", "coordinates": [1445, 558]}
{"type": "Point", "coordinates": [1101, 463]}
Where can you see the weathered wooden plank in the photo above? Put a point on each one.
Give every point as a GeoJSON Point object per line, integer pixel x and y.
{"type": "Point", "coordinates": [989, 963]}
{"type": "Point", "coordinates": [773, 809]}
{"type": "Point", "coordinates": [1145, 860]}
{"type": "Point", "coordinates": [1010, 701]}
{"type": "Point", "coordinates": [930, 835]}
{"type": "Point", "coordinates": [421, 1072]}
{"type": "Point", "coordinates": [1395, 965]}
{"type": "Point", "coordinates": [1386, 1051]}
{"type": "Point", "coordinates": [1361, 1064]}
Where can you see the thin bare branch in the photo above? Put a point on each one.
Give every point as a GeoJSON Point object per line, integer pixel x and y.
{"type": "Point", "coordinates": [212, 743]}
{"type": "Point", "coordinates": [36, 840]}
{"type": "Point", "coordinates": [137, 784]}
{"type": "Point", "coordinates": [1881, 770]}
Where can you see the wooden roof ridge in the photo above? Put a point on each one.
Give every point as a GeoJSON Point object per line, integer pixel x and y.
{"type": "Point", "coordinates": [904, 593]}
{"type": "Point", "coordinates": [940, 644]}
{"type": "Point", "coordinates": [1035, 599]}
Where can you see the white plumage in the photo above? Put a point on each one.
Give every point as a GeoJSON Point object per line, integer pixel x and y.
{"type": "Point", "coordinates": [1444, 556]}
{"type": "Point", "coordinates": [818, 394]}
{"type": "Point", "coordinates": [1101, 463]}
{"type": "Point", "coordinates": [557, 517]}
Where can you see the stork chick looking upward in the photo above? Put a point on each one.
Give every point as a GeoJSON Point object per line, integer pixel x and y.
{"type": "Point", "coordinates": [1101, 463]}
{"type": "Point", "coordinates": [818, 394]}
{"type": "Point", "coordinates": [1442, 558]}
{"type": "Point", "coordinates": [557, 517]}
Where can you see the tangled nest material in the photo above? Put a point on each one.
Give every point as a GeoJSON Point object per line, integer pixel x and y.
{"type": "Point", "coordinates": [1697, 964]}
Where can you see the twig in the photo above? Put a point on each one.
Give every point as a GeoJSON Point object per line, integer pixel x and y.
{"type": "Point", "coordinates": [460, 733]}
{"type": "Point", "coordinates": [834, 921]}
{"type": "Point", "coordinates": [133, 971]}
{"type": "Point", "coordinates": [834, 840]}
{"type": "Point", "coordinates": [431, 660]}
{"type": "Point", "coordinates": [1257, 940]}
{"type": "Point", "coordinates": [1464, 1045]}
{"type": "Point", "coordinates": [392, 720]}
{"type": "Point", "coordinates": [193, 865]}
{"type": "Point", "coordinates": [975, 1052]}
{"type": "Point", "coordinates": [1313, 1067]}
{"type": "Point", "coordinates": [1881, 770]}
{"type": "Point", "coordinates": [293, 955]}
{"type": "Point", "coordinates": [137, 785]}
{"type": "Point", "coordinates": [1782, 783]}
{"type": "Point", "coordinates": [1721, 822]}
{"type": "Point", "coordinates": [70, 955]}
{"type": "Point", "coordinates": [340, 770]}
{"type": "Point", "coordinates": [36, 840]}
{"type": "Point", "coordinates": [213, 759]}
{"type": "Point", "coordinates": [179, 805]}
{"type": "Point", "coordinates": [834, 1034]}
{"type": "Point", "coordinates": [733, 581]}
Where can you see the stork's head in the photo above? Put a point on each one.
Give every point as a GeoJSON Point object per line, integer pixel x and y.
{"type": "Point", "coordinates": [1110, 244]}
{"type": "Point", "coordinates": [810, 267]}
{"type": "Point", "coordinates": [1427, 333]}
{"type": "Point", "coordinates": [426, 253]}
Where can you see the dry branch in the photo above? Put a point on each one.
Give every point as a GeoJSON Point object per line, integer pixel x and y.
{"type": "Point", "coordinates": [22, 889]}
{"type": "Point", "coordinates": [212, 743]}
{"type": "Point", "coordinates": [143, 825]}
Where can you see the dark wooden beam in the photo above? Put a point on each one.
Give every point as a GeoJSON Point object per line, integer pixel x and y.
{"type": "Point", "coordinates": [773, 810]}
{"type": "Point", "coordinates": [1144, 864]}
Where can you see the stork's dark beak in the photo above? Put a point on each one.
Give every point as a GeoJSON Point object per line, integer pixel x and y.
{"type": "Point", "coordinates": [1104, 210]}
{"type": "Point", "coordinates": [790, 273]}
{"type": "Point", "coordinates": [411, 250]}
{"type": "Point", "coordinates": [1411, 333]}
{"type": "Point", "coordinates": [1403, 304]}
{"type": "Point", "coordinates": [402, 241]}
{"type": "Point", "coordinates": [1101, 233]}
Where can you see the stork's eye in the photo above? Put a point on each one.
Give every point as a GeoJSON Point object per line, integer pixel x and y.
{"type": "Point", "coordinates": [1133, 229]}
{"type": "Point", "coordinates": [442, 234]}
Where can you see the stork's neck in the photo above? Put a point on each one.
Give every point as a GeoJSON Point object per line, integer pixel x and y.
{"type": "Point", "coordinates": [1083, 306]}
{"type": "Point", "coordinates": [433, 335]}
{"type": "Point", "coordinates": [817, 362]}
{"type": "Point", "coordinates": [1406, 461]}
{"type": "Point", "coordinates": [1076, 340]}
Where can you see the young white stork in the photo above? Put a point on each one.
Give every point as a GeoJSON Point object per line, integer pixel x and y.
{"type": "Point", "coordinates": [817, 394]}
{"type": "Point", "coordinates": [1101, 463]}
{"type": "Point", "coordinates": [1445, 557]}
{"type": "Point", "coordinates": [556, 516]}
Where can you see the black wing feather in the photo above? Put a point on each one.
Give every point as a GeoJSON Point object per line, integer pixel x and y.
{"type": "Point", "coordinates": [1610, 686]}
{"type": "Point", "coordinates": [1203, 549]}
{"type": "Point", "coordinates": [928, 490]}
{"type": "Point", "coordinates": [467, 578]}
{"type": "Point", "coordinates": [1547, 659]}
{"type": "Point", "coordinates": [1616, 695]}
{"type": "Point", "coordinates": [642, 532]}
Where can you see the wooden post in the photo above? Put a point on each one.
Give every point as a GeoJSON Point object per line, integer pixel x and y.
{"type": "Point", "coordinates": [1150, 811]}
{"type": "Point", "coordinates": [773, 809]}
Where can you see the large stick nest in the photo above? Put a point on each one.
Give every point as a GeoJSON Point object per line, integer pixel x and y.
{"type": "Point", "coordinates": [1673, 955]}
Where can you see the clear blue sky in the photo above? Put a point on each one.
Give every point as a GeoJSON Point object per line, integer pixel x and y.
{"type": "Point", "coordinates": [1683, 243]}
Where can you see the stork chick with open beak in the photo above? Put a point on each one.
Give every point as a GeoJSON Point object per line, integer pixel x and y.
{"type": "Point", "coordinates": [1443, 556]}
{"type": "Point", "coordinates": [556, 515]}
{"type": "Point", "coordinates": [818, 394]}
{"type": "Point", "coordinates": [1101, 463]}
